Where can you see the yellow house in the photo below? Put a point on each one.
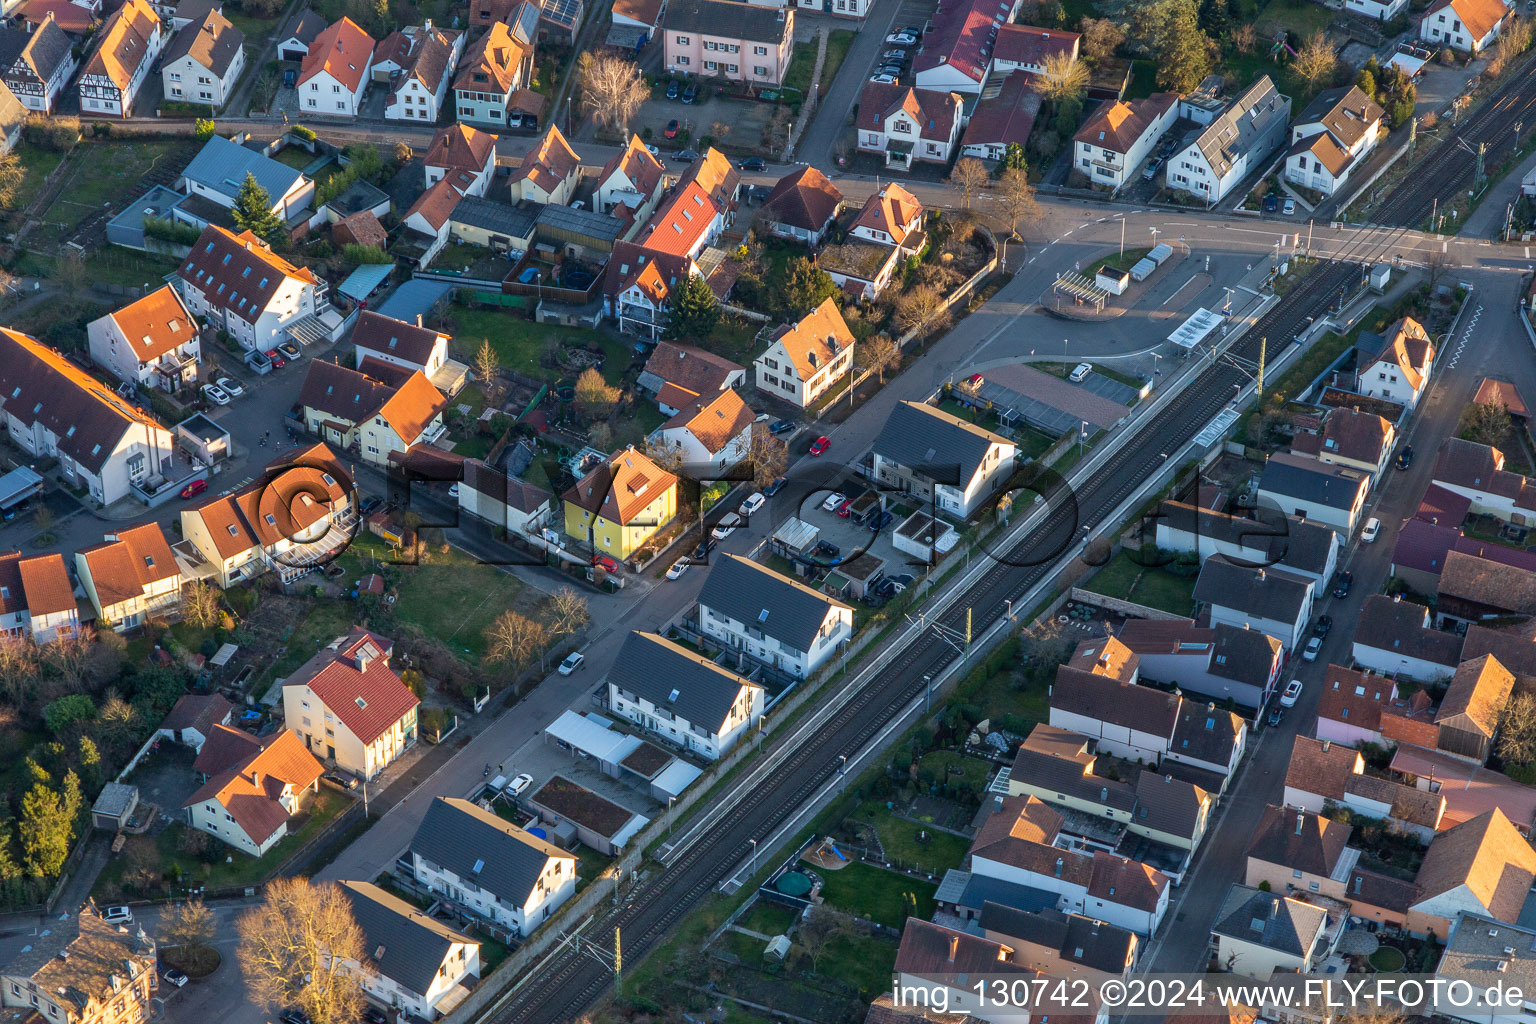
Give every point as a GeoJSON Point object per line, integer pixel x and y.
{"type": "Point", "coordinates": [621, 504]}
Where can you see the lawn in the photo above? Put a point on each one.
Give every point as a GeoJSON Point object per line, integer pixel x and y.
{"type": "Point", "coordinates": [767, 918]}
{"type": "Point", "coordinates": [838, 44]}
{"type": "Point", "coordinates": [802, 63]}
{"type": "Point", "coordinates": [519, 342]}
{"type": "Point", "coordinates": [1388, 959]}
{"type": "Point", "coordinates": [1143, 80]}
{"type": "Point", "coordinates": [1161, 588]}
{"type": "Point", "coordinates": [862, 961]}
{"type": "Point", "coordinates": [128, 268]}
{"type": "Point", "coordinates": [237, 870]}
{"type": "Point", "coordinates": [878, 895]}
{"type": "Point", "coordinates": [899, 839]}
{"type": "Point", "coordinates": [1118, 261]}
{"type": "Point", "coordinates": [38, 163]}
{"type": "Point", "coordinates": [112, 172]}
{"type": "Point", "coordinates": [1300, 16]}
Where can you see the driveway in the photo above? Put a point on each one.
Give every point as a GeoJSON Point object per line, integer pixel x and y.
{"type": "Point", "coordinates": [817, 143]}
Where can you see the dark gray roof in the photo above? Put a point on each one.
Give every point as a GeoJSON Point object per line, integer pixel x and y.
{"type": "Point", "coordinates": [1299, 839]}
{"type": "Point", "coordinates": [476, 845]}
{"type": "Point", "coordinates": [222, 165]}
{"type": "Point", "coordinates": [1169, 805]}
{"type": "Point", "coordinates": [1266, 919]}
{"type": "Point", "coordinates": [513, 220]}
{"type": "Point", "coordinates": [1078, 939]}
{"type": "Point", "coordinates": [1269, 593]}
{"type": "Point", "coordinates": [1398, 626]}
{"type": "Point", "coordinates": [1248, 122]}
{"type": "Point", "coordinates": [1243, 655]}
{"type": "Point", "coordinates": [672, 677]}
{"type": "Point", "coordinates": [1106, 699]}
{"type": "Point", "coordinates": [1205, 732]}
{"type": "Point", "coordinates": [399, 940]}
{"type": "Point", "coordinates": [1297, 476]}
{"type": "Point", "coordinates": [38, 54]}
{"type": "Point", "coordinates": [726, 18]}
{"type": "Point", "coordinates": [1282, 539]}
{"type": "Point", "coordinates": [979, 889]}
{"type": "Point", "coordinates": [760, 598]}
{"type": "Point", "coordinates": [1060, 775]}
{"type": "Point", "coordinates": [212, 41]}
{"type": "Point", "coordinates": [931, 441]}
{"type": "Point", "coordinates": [588, 223]}
{"type": "Point", "coordinates": [303, 26]}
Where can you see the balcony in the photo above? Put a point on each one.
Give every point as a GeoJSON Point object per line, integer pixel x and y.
{"type": "Point", "coordinates": [299, 560]}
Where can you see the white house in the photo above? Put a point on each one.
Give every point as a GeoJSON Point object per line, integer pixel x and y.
{"type": "Point", "coordinates": [939, 457]}
{"type": "Point", "coordinates": [681, 374]}
{"type": "Point", "coordinates": [1476, 472]}
{"type": "Point", "coordinates": [637, 284]}
{"type": "Point", "coordinates": [1482, 866]}
{"type": "Point", "coordinates": [1129, 721]}
{"type": "Point", "coordinates": [494, 68]}
{"type": "Point", "coordinates": [907, 125]}
{"type": "Point", "coordinates": [334, 73]}
{"type": "Point", "coordinates": [489, 867]}
{"type": "Point", "coordinates": [203, 62]}
{"type": "Point", "coordinates": [1027, 48]}
{"type": "Point", "coordinates": [129, 44]}
{"type": "Point", "coordinates": [1270, 600]}
{"type": "Point", "coordinates": [252, 787]}
{"type": "Point", "coordinates": [1259, 933]}
{"type": "Point", "coordinates": [957, 46]}
{"type": "Point", "coordinates": [153, 341]}
{"type": "Point", "coordinates": [682, 696]}
{"type": "Point", "coordinates": [489, 493]}
{"type": "Point", "coordinates": [220, 168]}
{"type": "Point", "coordinates": [1334, 135]}
{"type": "Point", "coordinates": [241, 285]}
{"type": "Point", "coordinates": [802, 207]}
{"type": "Point", "coordinates": [771, 619]}
{"type": "Point", "coordinates": [397, 343]}
{"type": "Point", "coordinates": [1270, 538]}
{"type": "Point", "coordinates": [1236, 142]}
{"type": "Point", "coordinates": [37, 599]}
{"type": "Point", "coordinates": [459, 147]}
{"type": "Point", "coordinates": [1393, 637]}
{"type": "Point", "coordinates": [1221, 663]}
{"type": "Point", "coordinates": [1113, 143]}
{"type": "Point", "coordinates": [891, 216]}
{"type": "Point", "coordinates": [53, 409]}
{"type": "Point", "coordinates": [355, 410]}
{"type": "Point", "coordinates": [1376, 10]}
{"type": "Point", "coordinates": [37, 65]}
{"type": "Point", "coordinates": [549, 172]}
{"type": "Point", "coordinates": [1466, 25]}
{"type": "Point", "coordinates": [418, 62]}
{"type": "Point", "coordinates": [1483, 955]}
{"type": "Point", "coordinates": [934, 969]}
{"type": "Point", "coordinates": [688, 222]}
{"type": "Point", "coordinates": [709, 434]}
{"type": "Point", "coordinates": [348, 706]}
{"type": "Point", "coordinates": [803, 360]}
{"type": "Point", "coordinates": [632, 179]}
{"type": "Point", "coordinates": [1399, 369]}
{"type": "Point", "coordinates": [131, 577]}
{"type": "Point", "coordinates": [413, 962]}
{"type": "Point", "coordinates": [1304, 486]}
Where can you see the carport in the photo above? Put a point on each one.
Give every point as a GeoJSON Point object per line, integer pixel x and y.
{"type": "Point", "coordinates": [1049, 404]}
{"type": "Point", "coordinates": [17, 486]}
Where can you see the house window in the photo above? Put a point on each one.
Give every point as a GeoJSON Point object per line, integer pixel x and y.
{"type": "Point", "coordinates": [760, 71]}
{"type": "Point", "coordinates": [682, 60]}
{"type": "Point", "coordinates": [760, 50]}
{"type": "Point", "coordinates": [682, 40]}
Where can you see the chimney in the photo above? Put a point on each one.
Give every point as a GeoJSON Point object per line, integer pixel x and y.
{"type": "Point", "coordinates": [418, 320]}
{"type": "Point", "coordinates": [429, 29]}
{"type": "Point", "coordinates": [1260, 576]}
{"type": "Point", "coordinates": [1358, 881]}
{"type": "Point", "coordinates": [1326, 745]}
{"type": "Point", "coordinates": [256, 779]}
{"type": "Point", "coordinates": [1301, 821]}
{"type": "Point", "coordinates": [954, 947]}
{"type": "Point", "coordinates": [999, 799]}
{"type": "Point", "coordinates": [1059, 865]}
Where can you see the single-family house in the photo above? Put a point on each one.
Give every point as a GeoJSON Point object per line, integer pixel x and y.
{"type": "Point", "coordinates": [1376, 10]}
{"type": "Point", "coordinates": [1027, 48]}
{"type": "Point", "coordinates": [1476, 472]}
{"type": "Point", "coordinates": [708, 435]}
{"type": "Point", "coordinates": [203, 62]}
{"type": "Point", "coordinates": [37, 599]}
{"type": "Point", "coordinates": [419, 62]}
{"type": "Point", "coordinates": [53, 409]}
{"type": "Point", "coordinates": [1306, 487]}
{"type": "Point", "coordinates": [935, 962]}
{"type": "Point", "coordinates": [1237, 141]}
{"type": "Point", "coordinates": [335, 71]}
{"type": "Point", "coordinates": [682, 695]}
{"type": "Point", "coordinates": [1470, 26]}
{"type": "Point", "coordinates": [37, 65]}
{"type": "Point", "coordinates": [1323, 773]}
{"type": "Point", "coordinates": [251, 788]}
{"type": "Point", "coordinates": [1397, 365]}
{"type": "Point", "coordinates": [782, 623]}
{"type": "Point", "coordinates": [131, 577]}
{"type": "Point", "coordinates": [1482, 866]}
{"type": "Point", "coordinates": [129, 44]}
{"type": "Point", "coordinates": [1349, 437]}
{"type": "Point", "coordinates": [218, 172]}
{"type": "Point", "coordinates": [153, 341]}
{"type": "Point", "coordinates": [348, 706]}
{"type": "Point", "coordinates": [679, 375]}
{"type": "Point", "coordinates": [1115, 141]}
{"type": "Point", "coordinates": [1003, 117]}
{"type": "Point", "coordinates": [687, 222]}
{"type": "Point", "coordinates": [507, 501]}
{"type": "Point", "coordinates": [742, 42]}
{"type": "Point", "coordinates": [460, 147]}
{"type": "Point", "coordinates": [242, 286]}
{"type": "Point", "coordinates": [1270, 600]}
{"type": "Point", "coordinates": [1062, 945]}
{"type": "Point", "coordinates": [494, 68]}
{"type": "Point", "coordinates": [620, 504]}
{"type": "Point", "coordinates": [383, 339]}
{"type": "Point", "coordinates": [192, 719]}
{"type": "Point", "coordinates": [1220, 663]}
{"type": "Point", "coordinates": [1299, 851]}
{"type": "Point", "coordinates": [949, 462]}
{"type": "Point", "coordinates": [358, 411]}
{"type": "Point", "coordinates": [1262, 933]}
{"type": "Point", "coordinates": [1393, 637]}
{"type": "Point", "coordinates": [637, 284]}
{"type": "Point", "coordinates": [412, 961]}
{"type": "Point", "coordinates": [489, 867]}
{"type": "Point", "coordinates": [1474, 589]}
{"type": "Point", "coordinates": [906, 125]}
{"type": "Point", "coordinates": [549, 172]}
{"type": "Point", "coordinates": [891, 216]}
{"type": "Point", "coordinates": [1269, 538]}
{"type": "Point", "coordinates": [1349, 709]}
{"type": "Point", "coordinates": [805, 359]}
{"type": "Point", "coordinates": [802, 207]}
{"type": "Point", "coordinates": [1335, 134]}
{"type": "Point", "coordinates": [633, 179]}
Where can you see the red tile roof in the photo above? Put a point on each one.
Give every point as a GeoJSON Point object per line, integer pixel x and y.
{"type": "Point", "coordinates": [353, 679]}
{"type": "Point", "coordinates": [1122, 123]}
{"type": "Point", "coordinates": [492, 61]}
{"type": "Point", "coordinates": [46, 584]}
{"type": "Point", "coordinates": [891, 210]}
{"type": "Point", "coordinates": [126, 41]}
{"type": "Point", "coordinates": [682, 222]}
{"type": "Point", "coordinates": [122, 569]}
{"type": "Point", "coordinates": [249, 789]}
{"type": "Point", "coordinates": [155, 324]}
{"type": "Point", "coordinates": [1007, 117]}
{"type": "Point", "coordinates": [549, 163]}
{"type": "Point", "coordinates": [1443, 506]}
{"type": "Point", "coordinates": [1026, 44]}
{"type": "Point", "coordinates": [642, 169]}
{"type": "Point", "coordinates": [621, 487]}
{"type": "Point", "coordinates": [343, 51]}
{"type": "Point", "coordinates": [960, 36]}
{"type": "Point", "coordinates": [1354, 698]}
{"type": "Point", "coordinates": [803, 199]}
{"type": "Point", "coordinates": [462, 147]}
{"type": "Point", "coordinates": [934, 112]}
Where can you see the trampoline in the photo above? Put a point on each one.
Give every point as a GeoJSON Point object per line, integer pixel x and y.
{"type": "Point", "coordinates": [794, 883]}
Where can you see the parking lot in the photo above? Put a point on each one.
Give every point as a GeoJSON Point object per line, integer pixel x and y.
{"type": "Point", "coordinates": [743, 121]}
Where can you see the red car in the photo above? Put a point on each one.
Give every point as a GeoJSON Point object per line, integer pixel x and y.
{"type": "Point", "coordinates": [194, 488]}
{"type": "Point", "coordinates": [278, 362]}
{"type": "Point", "coordinates": [844, 509]}
{"type": "Point", "coordinates": [820, 445]}
{"type": "Point", "coordinates": [671, 129]}
{"type": "Point", "coordinates": [606, 562]}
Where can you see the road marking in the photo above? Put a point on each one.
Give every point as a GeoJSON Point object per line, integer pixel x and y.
{"type": "Point", "coordinates": [1180, 288]}
{"type": "Point", "coordinates": [1068, 232]}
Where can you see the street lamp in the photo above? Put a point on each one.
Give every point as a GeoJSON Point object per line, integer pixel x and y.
{"type": "Point", "coordinates": [670, 801]}
{"type": "Point", "coordinates": [754, 857]}
{"type": "Point", "coordinates": [1154, 238]}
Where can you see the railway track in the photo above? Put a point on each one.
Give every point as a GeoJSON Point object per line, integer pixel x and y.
{"type": "Point", "coordinates": [1449, 168]}
{"type": "Point", "coordinates": [572, 980]}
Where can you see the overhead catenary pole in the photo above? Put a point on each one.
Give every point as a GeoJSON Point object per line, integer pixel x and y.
{"type": "Point", "coordinates": [1259, 390]}
{"type": "Point", "coordinates": [618, 963]}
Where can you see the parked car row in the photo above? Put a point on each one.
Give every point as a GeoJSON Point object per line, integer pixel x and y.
{"type": "Point", "coordinates": [893, 62]}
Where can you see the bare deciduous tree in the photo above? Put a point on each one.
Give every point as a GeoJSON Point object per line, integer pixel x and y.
{"type": "Point", "coordinates": [1517, 730]}
{"type": "Point", "coordinates": [1316, 59]}
{"type": "Point", "coordinates": [594, 394]}
{"type": "Point", "coordinates": [11, 176]}
{"type": "Point", "coordinates": [922, 309]}
{"type": "Point", "coordinates": [200, 604]}
{"type": "Point", "coordinates": [516, 639]}
{"type": "Point", "coordinates": [486, 363]}
{"type": "Point", "coordinates": [568, 612]}
{"type": "Point", "coordinates": [190, 923]}
{"type": "Point", "coordinates": [612, 88]}
{"type": "Point", "coordinates": [818, 929]}
{"type": "Point", "coordinates": [1101, 38]}
{"type": "Point", "coordinates": [300, 948]}
{"type": "Point", "coordinates": [969, 175]}
{"type": "Point", "coordinates": [767, 455]}
{"type": "Point", "coordinates": [1064, 78]}
{"type": "Point", "coordinates": [1514, 39]}
{"type": "Point", "coordinates": [1244, 38]}
{"type": "Point", "coordinates": [1017, 197]}
{"type": "Point", "coordinates": [879, 354]}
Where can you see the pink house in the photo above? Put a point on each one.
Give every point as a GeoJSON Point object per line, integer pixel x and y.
{"type": "Point", "coordinates": [722, 38]}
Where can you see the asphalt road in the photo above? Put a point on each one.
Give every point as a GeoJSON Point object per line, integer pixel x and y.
{"type": "Point", "coordinates": [570, 982]}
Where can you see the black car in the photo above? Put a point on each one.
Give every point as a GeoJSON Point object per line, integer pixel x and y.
{"type": "Point", "coordinates": [374, 1015]}
{"type": "Point", "coordinates": [1275, 716]}
{"type": "Point", "coordinates": [342, 779]}
{"type": "Point", "coordinates": [906, 579]}
{"type": "Point", "coordinates": [371, 505]}
{"type": "Point", "coordinates": [1322, 626]}
{"type": "Point", "coordinates": [686, 156]}
{"type": "Point", "coordinates": [691, 93]}
{"type": "Point", "coordinates": [881, 521]}
{"type": "Point", "coordinates": [827, 548]}
{"type": "Point", "coordinates": [781, 426]}
{"type": "Point", "coordinates": [1405, 457]}
{"type": "Point", "coordinates": [775, 487]}
{"type": "Point", "coordinates": [294, 1015]}
{"type": "Point", "coordinates": [673, 88]}
{"type": "Point", "coordinates": [753, 163]}
{"type": "Point", "coordinates": [1342, 581]}
{"type": "Point", "coordinates": [701, 552]}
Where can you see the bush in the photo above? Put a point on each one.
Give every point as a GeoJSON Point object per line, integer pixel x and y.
{"type": "Point", "coordinates": [170, 231]}
{"type": "Point", "coordinates": [298, 131]}
{"type": "Point", "coordinates": [56, 135]}
{"type": "Point", "coordinates": [355, 253]}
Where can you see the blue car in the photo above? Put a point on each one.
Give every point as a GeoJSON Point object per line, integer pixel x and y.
{"type": "Point", "coordinates": [880, 522]}
{"type": "Point", "coordinates": [775, 487]}
{"type": "Point", "coordinates": [673, 89]}
{"type": "Point", "coordinates": [781, 427]}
